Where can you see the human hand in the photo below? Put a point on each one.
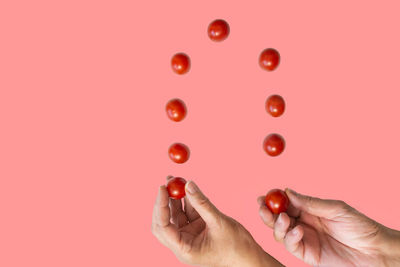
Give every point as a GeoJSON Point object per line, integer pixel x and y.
{"type": "Point", "coordinates": [199, 234]}
{"type": "Point", "coordinates": [331, 233]}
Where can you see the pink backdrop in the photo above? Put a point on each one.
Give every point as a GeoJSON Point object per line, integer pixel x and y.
{"type": "Point", "coordinates": [84, 134]}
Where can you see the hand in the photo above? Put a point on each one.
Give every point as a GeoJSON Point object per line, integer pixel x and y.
{"type": "Point", "coordinates": [199, 234]}
{"type": "Point", "coordinates": [331, 233]}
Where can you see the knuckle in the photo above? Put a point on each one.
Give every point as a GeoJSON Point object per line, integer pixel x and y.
{"type": "Point", "coordinates": [310, 200]}
{"type": "Point", "coordinates": [339, 207]}
{"type": "Point", "coordinates": [220, 223]}
{"type": "Point", "coordinates": [342, 205]}
{"type": "Point", "coordinates": [203, 201]}
{"type": "Point", "coordinates": [226, 222]}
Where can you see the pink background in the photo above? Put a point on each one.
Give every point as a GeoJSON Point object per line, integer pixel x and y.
{"type": "Point", "coordinates": [84, 134]}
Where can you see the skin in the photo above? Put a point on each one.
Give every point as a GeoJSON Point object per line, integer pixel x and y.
{"type": "Point", "coordinates": [319, 232]}
{"type": "Point", "coordinates": [331, 233]}
{"type": "Point", "coordinates": [199, 234]}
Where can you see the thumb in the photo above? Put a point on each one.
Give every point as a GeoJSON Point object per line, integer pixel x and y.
{"type": "Point", "coordinates": [325, 208]}
{"type": "Point", "coordinates": [210, 214]}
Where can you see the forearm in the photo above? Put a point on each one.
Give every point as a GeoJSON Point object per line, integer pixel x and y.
{"type": "Point", "coordinates": [261, 259]}
{"type": "Point", "coordinates": [252, 257]}
{"type": "Point", "coordinates": [391, 247]}
{"type": "Point", "coordinates": [269, 261]}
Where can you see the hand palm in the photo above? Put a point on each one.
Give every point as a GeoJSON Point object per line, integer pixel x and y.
{"type": "Point", "coordinates": [347, 237]}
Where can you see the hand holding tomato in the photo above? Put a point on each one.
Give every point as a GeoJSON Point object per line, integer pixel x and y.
{"type": "Point", "coordinates": [331, 233]}
{"type": "Point", "coordinates": [199, 234]}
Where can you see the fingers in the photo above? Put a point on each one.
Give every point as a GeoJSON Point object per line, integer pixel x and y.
{"type": "Point", "coordinates": [266, 215]}
{"type": "Point", "coordinates": [202, 205]}
{"type": "Point", "coordinates": [281, 227]}
{"type": "Point", "coordinates": [161, 209]}
{"type": "Point", "coordinates": [269, 218]}
{"type": "Point", "coordinates": [191, 213]}
{"type": "Point", "coordinates": [176, 207]}
{"type": "Point", "coordinates": [315, 206]}
{"type": "Point", "coordinates": [161, 226]}
{"type": "Point", "coordinates": [285, 229]}
{"type": "Point", "coordinates": [178, 217]}
{"type": "Point", "coordinates": [294, 241]}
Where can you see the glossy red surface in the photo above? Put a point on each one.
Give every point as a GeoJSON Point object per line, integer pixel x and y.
{"type": "Point", "coordinates": [218, 30]}
{"type": "Point", "coordinates": [275, 105]}
{"type": "Point", "coordinates": [178, 153]}
{"type": "Point", "coordinates": [176, 109]}
{"type": "Point", "coordinates": [274, 144]}
{"type": "Point", "coordinates": [269, 59]}
{"type": "Point", "coordinates": [176, 188]}
{"type": "Point", "coordinates": [277, 201]}
{"type": "Point", "coordinates": [180, 63]}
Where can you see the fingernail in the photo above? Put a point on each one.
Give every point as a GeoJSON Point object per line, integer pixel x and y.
{"type": "Point", "coordinates": [191, 187]}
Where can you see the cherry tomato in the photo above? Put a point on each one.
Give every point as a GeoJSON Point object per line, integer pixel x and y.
{"type": "Point", "coordinates": [269, 59]}
{"type": "Point", "coordinates": [275, 105]}
{"type": "Point", "coordinates": [180, 63]}
{"type": "Point", "coordinates": [178, 153]}
{"type": "Point", "coordinates": [218, 30]}
{"type": "Point", "coordinates": [176, 109]}
{"type": "Point", "coordinates": [274, 144]}
{"type": "Point", "coordinates": [176, 187]}
{"type": "Point", "coordinates": [277, 201]}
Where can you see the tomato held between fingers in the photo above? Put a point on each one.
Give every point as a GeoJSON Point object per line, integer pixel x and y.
{"type": "Point", "coordinates": [176, 188]}
{"type": "Point", "coordinates": [277, 201]}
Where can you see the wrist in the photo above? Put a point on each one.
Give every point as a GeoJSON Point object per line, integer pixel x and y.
{"type": "Point", "coordinates": [268, 260]}
{"type": "Point", "coordinates": [259, 258]}
{"type": "Point", "coordinates": [390, 247]}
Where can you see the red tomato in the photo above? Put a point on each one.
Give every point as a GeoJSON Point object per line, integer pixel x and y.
{"type": "Point", "coordinates": [275, 105]}
{"type": "Point", "coordinates": [269, 59]}
{"type": "Point", "coordinates": [277, 201]}
{"type": "Point", "coordinates": [176, 188]}
{"type": "Point", "coordinates": [180, 63]}
{"type": "Point", "coordinates": [274, 144]}
{"type": "Point", "coordinates": [176, 109]}
{"type": "Point", "coordinates": [218, 30]}
{"type": "Point", "coordinates": [178, 153]}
